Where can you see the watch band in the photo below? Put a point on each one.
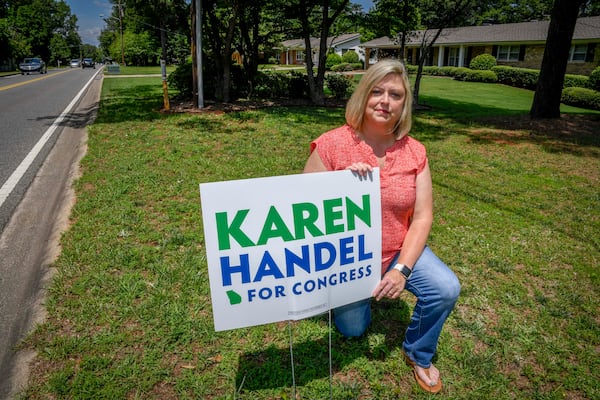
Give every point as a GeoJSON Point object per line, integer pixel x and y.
{"type": "Point", "coordinates": [404, 270]}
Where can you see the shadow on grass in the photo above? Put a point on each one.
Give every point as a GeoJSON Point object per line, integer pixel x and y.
{"type": "Point", "coordinates": [577, 134]}
{"type": "Point", "coordinates": [271, 368]}
{"type": "Point", "coordinates": [484, 124]}
{"type": "Point", "coordinates": [131, 103]}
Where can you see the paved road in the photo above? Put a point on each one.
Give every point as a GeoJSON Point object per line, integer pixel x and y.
{"type": "Point", "coordinates": [42, 138]}
{"type": "Point", "coordinates": [29, 105]}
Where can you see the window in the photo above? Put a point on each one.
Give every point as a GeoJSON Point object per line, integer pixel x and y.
{"type": "Point", "coordinates": [508, 53]}
{"type": "Point", "coordinates": [578, 52]}
{"type": "Point", "coordinates": [299, 55]}
{"type": "Point", "coordinates": [453, 54]}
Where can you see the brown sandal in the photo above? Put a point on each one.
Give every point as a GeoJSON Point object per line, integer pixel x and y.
{"type": "Point", "coordinates": [424, 385]}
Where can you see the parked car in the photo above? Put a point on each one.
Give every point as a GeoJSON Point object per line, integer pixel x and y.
{"type": "Point", "coordinates": [88, 63]}
{"type": "Point", "coordinates": [75, 63]}
{"type": "Point", "coordinates": [32, 64]}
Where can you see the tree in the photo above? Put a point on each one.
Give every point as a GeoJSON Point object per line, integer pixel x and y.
{"type": "Point", "coordinates": [317, 17]}
{"type": "Point", "coordinates": [353, 20]}
{"type": "Point", "coordinates": [36, 27]}
{"type": "Point", "coordinates": [546, 101]}
{"type": "Point", "coordinates": [436, 15]}
{"type": "Point", "coordinates": [393, 18]}
{"type": "Point", "coordinates": [510, 11]}
{"type": "Point", "coordinates": [260, 31]}
{"type": "Point", "coordinates": [140, 48]}
{"type": "Point", "coordinates": [590, 8]}
{"type": "Point", "coordinates": [221, 18]}
{"type": "Point", "coordinates": [165, 21]}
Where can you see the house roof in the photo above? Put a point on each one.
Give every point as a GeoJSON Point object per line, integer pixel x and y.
{"type": "Point", "coordinates": [587, 28]}
{"type": "Point", "coordinates": [314, 42]}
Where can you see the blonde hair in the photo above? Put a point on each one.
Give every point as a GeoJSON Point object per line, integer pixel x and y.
{"type": "Point", "coordinates": [355, 108]}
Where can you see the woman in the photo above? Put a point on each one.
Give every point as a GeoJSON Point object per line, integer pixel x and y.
{"type": "Point", "coordinates": [378, 119]}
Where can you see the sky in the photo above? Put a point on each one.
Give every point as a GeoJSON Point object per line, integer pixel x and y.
{"type": "Point", "coordinates": [91, 23]}
{"type": "Point", "coordinates": [88, 18]}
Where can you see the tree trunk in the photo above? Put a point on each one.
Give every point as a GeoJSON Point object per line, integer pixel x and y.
{"type": "Point", "coordinates": [546, 101]}
{"type": "Point", "coordinates": [163, 45]}
{"type": "Point", "coordinates": [425, 49]}
{"type": "Point", "coordinates": [227, 51]}
{"type": "Point", "coordinates": [250, 51]}
{"type": "Point", "coordinates": [193, 12]}
{"type": "Point", "coordinates": [315, 88]}
{"type": "Point", "coordinates": [315, 83]}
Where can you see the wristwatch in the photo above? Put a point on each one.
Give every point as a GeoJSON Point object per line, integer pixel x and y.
{"type": "Point", "coordinates": [404, 270]}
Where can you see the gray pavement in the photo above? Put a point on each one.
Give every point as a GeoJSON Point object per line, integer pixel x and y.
{"type": "Point", "coordinates": [30, 243]}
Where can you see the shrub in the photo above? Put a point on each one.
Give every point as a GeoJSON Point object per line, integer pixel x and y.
{"type": "Point", "coordinates": [332, 59]}
{"type": "Point", "coordinates": [298, 85]}
{"type": "Point", "coordinates": [270, 84]}
{"type": "Point", "coordinates": [343, 67]}
{"type": "Point", "coordinates": [430, 70]}
{"type": "Point", "coordinates": [518, 77]}
{"type": "Point", "coordinates": [350, 57]}
{"type": "Point", "coordinates": [338, 84]}
{"type": "Point", "coordinates": [181, 79]}
{"type": "Point", "coordinates": [411, 69]}
{"type": "Point", "coordinates": [576, 81]}
{"type": "Point", "coordinates": [594, 79]}
{"type": "Point", "coordinates": [483, 62]}
{"type": "Point", "coordinates": [238, 82]}
{"type": "Point", "coordinates": [581, 97]}
{"type": "Point", "coordinates": [447, 71]}
{"type": "Point", "coordinates": [485, 76]}
{"type": "Point", "coordinates": [460, 73]}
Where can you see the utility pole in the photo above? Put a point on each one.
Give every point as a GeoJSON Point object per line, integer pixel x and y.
{"type": "Point", "coordinates": [198, 55]}
{"type": "Point", "coordinates": [121, 27]}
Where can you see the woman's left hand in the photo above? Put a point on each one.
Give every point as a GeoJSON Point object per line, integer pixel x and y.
{"type": "Point", "coordinates": [390, 286]}
{"type": "Point", "coordinates": [360, 168]}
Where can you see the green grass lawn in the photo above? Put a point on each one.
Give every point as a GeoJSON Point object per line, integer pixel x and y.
{"type": "Point", "coordinates": [516, 217]}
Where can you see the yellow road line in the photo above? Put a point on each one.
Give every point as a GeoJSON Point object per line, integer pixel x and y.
{"type": "Point", "coordinates": [14, 85]}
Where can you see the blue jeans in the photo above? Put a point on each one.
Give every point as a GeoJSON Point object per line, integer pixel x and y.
{"type": "Point", "coordinates": [436, 288]}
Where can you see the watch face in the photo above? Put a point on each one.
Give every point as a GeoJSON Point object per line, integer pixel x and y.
{"type": "Point", "coordinates": [406, 272]}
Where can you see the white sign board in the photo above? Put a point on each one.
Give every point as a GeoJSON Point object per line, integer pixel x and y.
{"type": "Point", "coordinates": [290, 247]}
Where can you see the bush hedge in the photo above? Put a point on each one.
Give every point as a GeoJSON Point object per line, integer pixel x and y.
{"type": "Point", "coordinates": [333, 59]}
{"type": "Point", "coordinates": [346, 67]}
{"type": "Point", "coordinates": [483, 62]}
{"type": "Point", "coordinates": [351, 57]}
{"type": "Point", "coordinates": [518, 77]}
{"type": "Point", "coordinates": [181, 79]}
{"type": "Point", "coordinates": [460, 73]}
{"type": "Point", "coordinates": [579, 90]}
{"type": "Point", "coordinates": [581, 97]}
{"type": "Point", "coordinates": [594, 79]}
{"type": "Point", "coordinates": [485, 76]}
{"type": "Point", "coordinates": [276, 85]}
{"type": "Point", "coordinates": [576, 81]}
{"type": "Point", "coordinates": [338, 84]}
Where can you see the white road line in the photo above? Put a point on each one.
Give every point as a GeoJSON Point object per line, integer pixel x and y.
{"type": "Point", "coordinates": [18, 173]}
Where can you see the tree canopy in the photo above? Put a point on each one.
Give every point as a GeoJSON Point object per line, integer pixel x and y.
{"type": "Point", "coordinates": [44, 28]}
{"type": "Point", "coordinates": [144, 32]}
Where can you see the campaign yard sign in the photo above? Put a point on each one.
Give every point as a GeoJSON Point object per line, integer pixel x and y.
{"type": "Point", "coordinates": [290, 247]}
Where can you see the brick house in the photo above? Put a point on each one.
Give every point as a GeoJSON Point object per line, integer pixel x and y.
{"type": "Point", "coordinates": [518, 45]}
{"type": "Point", "coordinates": [293, 51]}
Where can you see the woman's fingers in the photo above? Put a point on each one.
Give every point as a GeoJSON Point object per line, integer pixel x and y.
{"type": "Point", "coordinates": [360, 168]}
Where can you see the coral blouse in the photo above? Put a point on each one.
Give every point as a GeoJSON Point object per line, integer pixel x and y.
{"type": "Point", "coordinates": [404, 160]}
